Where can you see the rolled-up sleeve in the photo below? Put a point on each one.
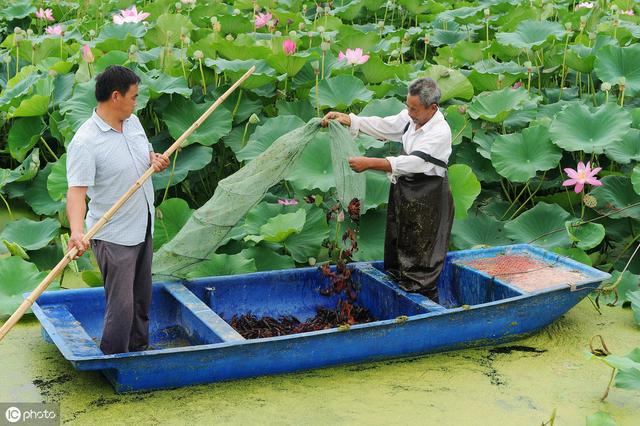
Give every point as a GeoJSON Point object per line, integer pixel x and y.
{"type": "Point", "coordinates": [386, 128]}
{"type": "Point", "coordinates": [81, 165]}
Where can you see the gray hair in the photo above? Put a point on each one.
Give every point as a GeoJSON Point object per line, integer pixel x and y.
{"type": "Point", "coordinates": [426, 89]}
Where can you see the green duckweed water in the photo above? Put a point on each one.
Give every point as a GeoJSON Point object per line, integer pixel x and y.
{"type": "Point", "coordinates": [516, 384]}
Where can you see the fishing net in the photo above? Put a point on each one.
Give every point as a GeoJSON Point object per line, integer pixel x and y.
{"type": "Point", "coordinates": [235, 195]}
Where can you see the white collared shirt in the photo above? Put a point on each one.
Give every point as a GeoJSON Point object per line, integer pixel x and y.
{"type": "Point", "coordinates": [108, 163]}
{"type": "Point", "coordinates": [434, 138]}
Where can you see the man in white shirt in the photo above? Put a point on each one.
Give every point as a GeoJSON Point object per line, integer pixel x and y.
{"type": "Point", "coordinates": [420, 210]}
{"type": "Point", "coordinates": [106, 156]}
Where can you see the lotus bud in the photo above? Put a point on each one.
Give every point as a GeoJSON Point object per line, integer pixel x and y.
{"type": "Point", "coordinates": [229, 37]}
{"type": "Point", "coordinates": [315, 65]}
{"type": "Point", "coordinates": [178, 6]}
{"type": "Point", "coordinates": [254, 119]}
{"type": "Point", "coordinates": [462, 109]}
{"type": "Point", "coordinates": [340, 217]}
{"type": "Point", "coordinates": [426, 39]}
{"type": "Point", "coordinates": [606, 86]}
{"type": "Point", "coordinates": [301, 26]}
{"type": "Point", "coordinates": [529, 66]}
{"type": "Point", "coordinates": [278, 34]}
{"type": "Point", "coordinates": [320, 29]}
{"type": "Point", "coordinates": [324, 46]}
{"type": "Point", "coordinates": [53, 73]}
{"type": "Point", "coordinates": [293, 34]}
{"type": "Point", "coordinates": [487, 12]}
{"type": "Point", "coordinates": [236, 12]}
{"type": "Point", "coordinates": [198, 55]}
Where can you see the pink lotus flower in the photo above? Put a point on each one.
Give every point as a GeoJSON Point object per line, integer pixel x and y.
{"type": "Point", "coordinates": [130, 15]}
{"type": "Point", "coordinates": [45, 14]}
{"type": "Point", "coordinates": [263, 19]}
{"type": "Point", "coordinates": [87, 55]}
{"type": "Point", "coordinates": [517, 85]}
{"type": "Point", "coordinates": [353, 57]}
{"type": "Point", "coordinates": [289, 47]}
{"type": "Point", "coordinates": [54, 30]}
{"type": "Point", "coordinates": [286, 202]}
{"type": "Point", "coordinates": [584, 175]}
{"type": "Point", "coordinates": [628, 12]}
{"type": "Point", "coordinates": [585, 5]}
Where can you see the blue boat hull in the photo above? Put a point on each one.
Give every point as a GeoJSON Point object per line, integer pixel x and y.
{"type": "Point", "coordinates": [475, 309]}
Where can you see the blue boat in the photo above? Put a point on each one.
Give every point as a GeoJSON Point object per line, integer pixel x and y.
{"type": "Point", "coordinates": [487, 296]}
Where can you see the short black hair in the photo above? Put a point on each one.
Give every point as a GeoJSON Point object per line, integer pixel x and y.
{"type": "Point", "coordinates": [114, 77]}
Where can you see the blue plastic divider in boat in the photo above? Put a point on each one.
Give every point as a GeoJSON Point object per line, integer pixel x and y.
{"type": "Point", "coordinates": [198, 319]}
{"type": "Point", "coordinates": [69, 329]}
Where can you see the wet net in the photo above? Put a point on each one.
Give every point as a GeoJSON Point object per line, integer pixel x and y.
{"type": "Point", "coordinates": [235, 195]}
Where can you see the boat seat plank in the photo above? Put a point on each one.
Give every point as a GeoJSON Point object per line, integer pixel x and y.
{"type": "Point", "coordinates": [202, 312]}
{"type": "Point", "coordinates": [70, 329]}
{"type": "Point", "coordinates": [420, 299]}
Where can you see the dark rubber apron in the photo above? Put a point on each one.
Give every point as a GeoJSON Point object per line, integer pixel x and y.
{"type": "Point", "coordinates": [419, 219]}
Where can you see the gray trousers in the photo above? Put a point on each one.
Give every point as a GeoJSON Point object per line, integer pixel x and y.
{"type": "Point", "coordinates": [126, 271]}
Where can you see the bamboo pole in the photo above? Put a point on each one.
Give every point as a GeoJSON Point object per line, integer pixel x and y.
{"type": "Point", "coordinates": [30, 300]}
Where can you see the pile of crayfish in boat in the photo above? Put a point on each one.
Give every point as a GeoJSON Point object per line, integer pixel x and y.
{"type": "Point", "coordinates": [347, 312]}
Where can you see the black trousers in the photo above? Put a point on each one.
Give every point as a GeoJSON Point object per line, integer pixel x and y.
{"type": "Point", "coordinates": [126, 271]}
{"type": "Point", "coordinates": [419, 220]}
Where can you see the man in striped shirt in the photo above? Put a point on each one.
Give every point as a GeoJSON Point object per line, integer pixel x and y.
{"type": "Point", "coordinates": [106, 156]}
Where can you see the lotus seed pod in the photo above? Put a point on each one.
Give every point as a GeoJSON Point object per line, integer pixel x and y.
{"type": "Point", "coordinates": [589, 200]}
{"type": "Point", "coordinates": [198, 55]}
{"type": "Point", "coordinates": [254, 119]}
{"type": "Point", "coordinates": [304, 9]}
{"type": "Point", "coordinates": [17, 37]}
{"type": "Point", "coordinates": [278, 34]}
{"type": "Point", "coordinates": [301, 26]}
{"type": "Point", "coordinates": [487, 12]}
{"type": "Point", "coordinates": [169, 34]}
{"type": "Point", "coordinates": [324, 46]}
{"type": "Point", "coordinates": [622, 81]}
{"type": "Point", "coordinates": [17, 30]}
{"type": "Point", "coordinates": [568, 26]}
{"type": "Point", "coordinates": [293, 34]}
{"type": "Point", "coordinates": [178, 6]}
{"type": "Point", "coordinates": [229, 37]}
{"type": "Point", "coordinates": [236, 12]}
{"type": "Point", "coordinates": [606, 86]}
{"type": "Point", "coordinates": [320, 29]}
{"type": "Point", "coordinates": [426, 39]}
{"type": "Point", "coordinates": [616, 22]}
{"type": "Point", "coordinates": [592, 35]}
{"type": "Point", "coordinates": [92, 33]}
{"type": "Point", "coordinates": [500, 77]}
{"type": "Point", "coordinates": [187, 41]}
{"type": "Point", "coordinates": [614, 7]}
{"type": "Point", "coordinates": [214, 19]}
{"type": "Point", "coordinates": [327, 10]}
{"type": "Point", "coordinates": [133, 48]}
{"type": "Point", "coordinates": [53, 72]}
{"type": "Point", "coordinates": [380, 24]}
{"type": "Point", "coordinates": [316, 66]}
{"type": "Point", "coordinates": [29, 32]}
{"type": "Point", "coordinates": [6, 59]}
{"type": "Point", "coordinates": [312, 261]}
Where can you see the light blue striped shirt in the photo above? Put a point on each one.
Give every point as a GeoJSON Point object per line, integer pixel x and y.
{"type": "Point", "coordinates": [108, 163]}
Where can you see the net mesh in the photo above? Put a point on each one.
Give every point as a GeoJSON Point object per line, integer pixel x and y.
{"type": "Point", "coordinates": [237, 194]}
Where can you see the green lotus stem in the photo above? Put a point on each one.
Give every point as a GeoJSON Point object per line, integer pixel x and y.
{"type": "Point", "coordinates": [322, 64]}
{"type": "Point", "coordinates": [579, 82]}
{"type": "Point", "coordinates": [173, 168]}
{"type": "Point", "coordinates": [529, 83]}
{"type": "Point", "coordinates": [564, 64]}
{"type": "Point", "coordinates": [286, 79]}
{"type": "Point", "coordinates": [384, 18]}
{"type": "Point", "coordinates": [486, 26]}
{"type": "Point", "coordinates": [317, 100]}
{"type": "Point", "coordinates": [46, 145]}
{"type": "Point", "coordinates": [531, 195]}
{"type": "Point", "coordinates": [204, 83]}
{"type": "Point", "coordinates": [7, 205]}
{"type": "Point", "coordinates": [61, 47]}
{"type": "Point", "coordinates": [235, 109]}
{"type": "Point", "coordinates": [514, 200]}
{"type": "Point", "coordinates": [622, 96]}
{"type": "Point", "coordinates": [184, 72]}
{"type": "Point", "coordinates": [244, 134]}
{"type": "Point", "coordinates": [353, 69]}
{"type": "Point", "coordinates": [504, 189]}
{"type": "Point", "coordinates": [606, 97]}
{"type": "Point", "coordinates": [17, 55]}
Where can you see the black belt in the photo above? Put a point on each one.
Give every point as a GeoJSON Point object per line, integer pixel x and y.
{"type": "Point", "coordinates": [426, 157]}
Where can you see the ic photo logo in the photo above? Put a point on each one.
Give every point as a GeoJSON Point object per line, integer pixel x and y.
{"type": "Point", "coordinates": [13, 414]}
